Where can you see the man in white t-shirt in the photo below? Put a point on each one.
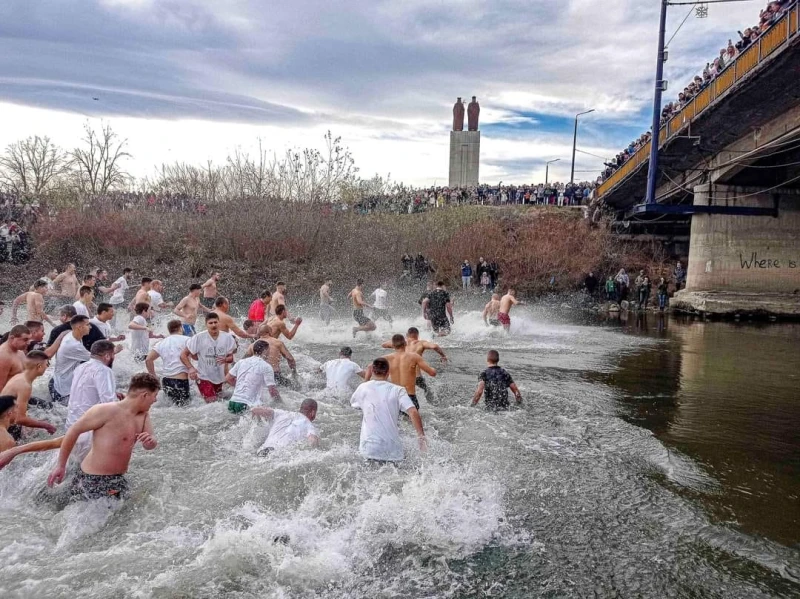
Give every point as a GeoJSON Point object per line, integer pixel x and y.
{"type": "Point", "coordinates": [92, 383]}
{"type": "Point", "coordinates": [119, 287]}
{"type": "Point", "coordinates": [213, 351]}
{"type": "Point", "coordinates": [339, 373]}
{"type": "Point", "coordinates": [289, 427]}
{"type": "Point", "coordinates": [156, 298]}
{"type": "Point", "coordinates": [250, 377]}
{"type": "Point", "coordinates": [380, 308]}
{"type": "Point", "coordinates": [140, 332]}
{"type": "Point", "coordinates": [83, 305]}
{"type": "Point", "coordinates": [69, 356]}
{"type": "Point", "coordinates": [175, 375]}
{"type": "Point", "coordinates": [105, 313]}
{"type": "Point", "coordinates": [381, 403]}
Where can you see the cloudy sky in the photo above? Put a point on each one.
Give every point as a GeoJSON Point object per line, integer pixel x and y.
{"type": "Point", "coordinates": [191, 80]}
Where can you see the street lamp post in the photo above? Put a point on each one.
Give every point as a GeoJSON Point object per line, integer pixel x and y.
{"type": "Point", "coordinates": [575, 143]}
{"type": "Point", "coordinates": [547, 168]}
{"type": "Point", "coordinates": [650, 197]}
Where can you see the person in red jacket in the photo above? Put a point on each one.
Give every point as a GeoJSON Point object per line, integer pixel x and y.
{"type": "Point", "coordinates": [259, 309]}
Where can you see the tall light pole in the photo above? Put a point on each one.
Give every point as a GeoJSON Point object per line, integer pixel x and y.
{"type": "Point", "coordinates": [652, 172]}
{"type": "Point", "coordinates": [575, 143]}
{"type": "Point", "coordinates": [547, 168]}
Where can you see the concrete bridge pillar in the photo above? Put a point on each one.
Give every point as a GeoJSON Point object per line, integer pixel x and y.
{"type": "Point", "coordinates": [744, 264]}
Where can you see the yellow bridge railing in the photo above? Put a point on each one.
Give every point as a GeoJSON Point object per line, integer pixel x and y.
{"type": "Point", "coordinates": [777, 35]}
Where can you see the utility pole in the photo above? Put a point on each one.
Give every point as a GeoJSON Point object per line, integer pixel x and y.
{"type": "Point", "coordinates": [547, 168]}
{"type": "Point", "coordinates": [652, 173]}
{"type": "Point", "coordinates": [575, 138]}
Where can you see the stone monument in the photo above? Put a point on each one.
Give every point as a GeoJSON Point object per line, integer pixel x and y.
{"type": "Point", "coordinates": [458, 116]}
{"type": "Point", "coordinates": [465, 146]}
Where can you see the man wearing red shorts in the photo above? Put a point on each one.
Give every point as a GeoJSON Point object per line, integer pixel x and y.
{"type": "Point", "coordinates": [506, 302]}
{"type": "Point", "coordinates": [213, 351]}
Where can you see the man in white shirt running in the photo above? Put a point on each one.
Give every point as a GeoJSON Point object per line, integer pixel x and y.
{"type": "Point", "coordinates": [105, 313]}
{"type": "Point", "coordinates": [83, 305]}
{"type": "Point", "coordinates": [117, 292]}
{"type": "Point", "coordinates": [140, 332]}
{"type": "Point", "coordinates": [380, 308]}
{"type": "Point", "coordinates": [339, 373]}
{"type": "Point", "coordinates": [175, 375]}
{"type": "Point", "coordinates": [381, 403]}
{"type": "Point", "coordinates": [69, 356]}
{"type": "Point", "coordinates": [250, 377]}
{"type": "Point", "coordinates": [289, 427]}
{"type": "Point", "coordinates": [213, 350]}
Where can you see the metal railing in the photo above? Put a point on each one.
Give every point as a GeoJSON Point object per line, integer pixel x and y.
{"type": "Point", "coordinates": [776, 36]}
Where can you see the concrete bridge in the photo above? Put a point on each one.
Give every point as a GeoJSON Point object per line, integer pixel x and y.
{"type": "Point", "coordinates": [729, 183]}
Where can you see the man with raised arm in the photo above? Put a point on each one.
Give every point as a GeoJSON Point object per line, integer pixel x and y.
{"type": "Point", "coordinates": [116, 428]}
{"type": "Point", "coordinates": [419, 346]}
{"type": "Point", "coordinates": [508, 301]}
{"type": "Point", "coordinates": [226, 322]}
{"type": "Point", "coordinates": [278, 323]}
{"type": "Point", "coordinates": [34, 301]}
{"type": "Point", "coordinates": [380, 403]}
{"type": "Point", "coordinates": [404, 365]}
{"type": "Point", "coordinates": [21, 387]}
{"type": "Point", "coordinates": [277, 350]}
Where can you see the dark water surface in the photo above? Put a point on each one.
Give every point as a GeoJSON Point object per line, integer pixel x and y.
{"type": "Point", "coordinates": [649, 459]}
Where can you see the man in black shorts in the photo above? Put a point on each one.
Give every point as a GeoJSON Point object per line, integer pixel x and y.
{"type": "Point", "coordinates": [357, 297]}
{"type": "Point", "coordinates": [440, 309]}
{"type": "Point", "coordinates": [494, 385]}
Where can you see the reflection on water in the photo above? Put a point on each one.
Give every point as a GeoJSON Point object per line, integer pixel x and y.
{"type": "Point", "coordinates": [725, 395]}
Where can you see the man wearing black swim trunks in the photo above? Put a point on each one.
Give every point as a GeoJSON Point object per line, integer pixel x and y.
{"type": "Point", "coordinates": [440, 309]}
{"type": "Point", "coordinates": [115, 427]}
{"type": "Point", "coordinates": [357, 297]}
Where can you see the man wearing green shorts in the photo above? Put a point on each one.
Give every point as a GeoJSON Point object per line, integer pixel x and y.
{"type": "Point", "coordinates": [249, 378]}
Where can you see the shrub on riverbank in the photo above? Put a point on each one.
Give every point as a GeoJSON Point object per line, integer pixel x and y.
{"type": "Point", "coordinates": [256, 243]}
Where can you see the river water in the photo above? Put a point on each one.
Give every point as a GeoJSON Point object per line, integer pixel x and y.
{"type": "Point", "coordinates": [651, 458]}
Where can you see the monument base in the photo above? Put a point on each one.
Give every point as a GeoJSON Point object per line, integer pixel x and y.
{"type": "Point", "coordinates": [465, 151]}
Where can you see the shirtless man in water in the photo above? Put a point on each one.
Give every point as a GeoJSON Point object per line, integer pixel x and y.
{"type": "Point", "coordinates": [419, 346]}
{"type": "Point", "coordinates": [357, 297]}
{"type": "Point", "coordinates": [403, 367]}
{"type": "Point", "coordinates": [210, 290]}
{"type": "Point", "coordinates": [278, 323]}
{"type": "Point", "coordinates": [67, 283]}
{"type": "Point", "coordinates": [116, 427]}
{"type": "Point", "coordinates": [187, 309]}
{"type": "Point", "coordinates": [142, 294]}
{"type": "Point", "coordinates": [34, 300]}
{"type": "Point", "coordinates": [506, 303]}
{"type": "Point", "coordinates": [278, 298]}
{"type": "Point", "coordinates": [21, 387]}
{"type": "Point", "coordinates": [12, 353]}
{"type": "Point", "coordinates": [226, 322]}
{"type": "Point", "coordinates": [326, 302]}
{"type": "Point", "coordinates": [277, 349]}
{"type": "Point", "coordinates": [490, 311]}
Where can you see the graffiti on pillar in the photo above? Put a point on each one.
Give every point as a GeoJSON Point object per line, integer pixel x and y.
{"type": "Point", "coordinates": [756, 262]}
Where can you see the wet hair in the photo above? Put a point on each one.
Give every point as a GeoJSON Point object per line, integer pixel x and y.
{"type": "Point", "coordinates": [174, 326]}
{"type": "Point", "coordinates": [88, 277]}
{"type": "Point", "coordinates": [266, 293]}
{"type": "Point", "coordinates": [359, 281]}
{"type": "Point", "coordinates": [247, 324]}
{"type": "Point", "coordinates": [104, 307]}
{"type": "Point", "coordinates": [280, 284]}
{"type": "Point", "coordinates": [37, 356]}
{"type": "Point", "coordinates": [126, 271]}
{"type": "Point", "coordinates": [39, 284]}
{"type": "Point", "coordinates": [144, 381]}
{"type": "Point", "coordinates": [346, 352]}
{"type": "Point", "coordinates": [493, 357]}
{"type": "Point", "coordinates": [413, 331]}
{"type": "Point", "coordinates": [281, 309]}
{"type": "Point", "coordinates": [141, 307]}
{"type": "Point", "coordinates": [18, 331]}
{"type": "Point", "coordinates": [308, 405]}
{"type": "Point", "coordinates": [380, 366]}
{"type": "Point", "coordinates": [85, 290]}
{"type": "Point", "coordinates": [101, 347]}
{"type": "Point", "coordinates": [6, 403]}
{"type": "Point", "coordinates": [398, 341]}
{"type": "Point", "coordinates": [33, 325]}
{"type": "Point", "coordinates": [67, 310]}
{"type": "Point", "coordinates": [195, 287]}
{"type": "Point", "coordinates": [78, 320]}
{"type": "Point", "coordinates": [259, 347]}
{"type": "Point", "coordinates": [212, 316]}
{"type": "Point", "coordinates": [220, 301]}
{"type": "Point", "coordinates": [265, 330]}
{"type": "Point", "coordinates": [146, 280]}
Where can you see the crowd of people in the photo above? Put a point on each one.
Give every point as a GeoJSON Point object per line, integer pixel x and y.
{"type": "Point", "coordinates": [241, 364]}
{"type": "Point", "coordinates": [767, 17]}
{"type": "Point", "coordinates": [616, 288]}
{"type": "Point", "coordinates": [15, 244]}
{"type": "Point", "coordinates": [420, 200]}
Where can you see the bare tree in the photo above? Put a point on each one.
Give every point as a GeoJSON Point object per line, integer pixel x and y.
{"type": "Point", "coordinates": [97, 165]}
{"type": "Point", "coordinates": [32, 165]}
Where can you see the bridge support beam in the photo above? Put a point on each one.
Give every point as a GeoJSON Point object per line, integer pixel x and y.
{"type": "Point", "coordinates": [744, 264]}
